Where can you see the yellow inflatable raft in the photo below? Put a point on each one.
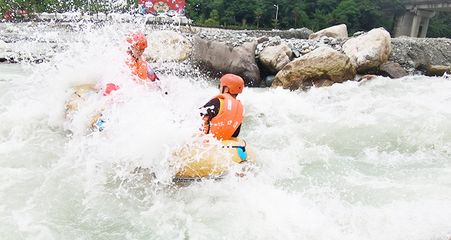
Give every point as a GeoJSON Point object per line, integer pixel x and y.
{"type": "Point", "coordinates": [78, 97]}
{"type": "Point", "coordinates": [78, 100]}
{"type": "Point", "coordinates": [211, 161]}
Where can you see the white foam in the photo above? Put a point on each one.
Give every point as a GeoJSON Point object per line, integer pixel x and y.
{"type": "Point", "coordinates": [350, 161]}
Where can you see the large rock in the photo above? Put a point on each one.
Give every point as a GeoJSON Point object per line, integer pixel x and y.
{"type": "Point", "coordinates": [338, 31]}
{"type": "Point", "coordinates": [2, 51]}
{"type": "Point", "coordinates": [322, 67]}
{"type": "Point", "coordinates": [221, 58]}
{"type": "Point", "coordinates": [369, 50]}
{"type": "Point", "coordinates": [167, 46]}
{"type": "Point", "coordinates": [275, 58]}
{"type": "Point", "coordinates": [421, 52]}
{"type": "Point", "coordinates": [393, 70]}
{"type": "Point", "coordinates": [437, 70]}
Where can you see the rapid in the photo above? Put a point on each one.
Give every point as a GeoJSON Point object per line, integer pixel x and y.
{"type": "Point", "coordinates": [367, 160]}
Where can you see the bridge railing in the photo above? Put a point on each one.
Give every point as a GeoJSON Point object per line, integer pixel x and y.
{"type": "Point", "coordinates": [424, 1]}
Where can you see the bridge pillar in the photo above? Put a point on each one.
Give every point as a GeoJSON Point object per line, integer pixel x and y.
{"type": "Point", "coordinates": [415, 26]}
{"type": "Point", "coordinates": [409, 24]}
{"type": "Point", "coordinates": [424, 29]}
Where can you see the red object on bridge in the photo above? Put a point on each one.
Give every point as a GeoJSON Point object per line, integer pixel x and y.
{"type": "Point", "coordinates": [9, 15]}
{"type": "Point", "coordinates": [15, 14]}
{"type": "Point", "coordinates": [169, 7]}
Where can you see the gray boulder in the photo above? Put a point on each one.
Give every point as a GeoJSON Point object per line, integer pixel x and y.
{"type": "Point", "coordinates": [438, 70]}
{"type": "Point", "coordinates": [338, 31]}
{"type": "Point", "coordinates": [393, 70]}
{"type": "Point", "coordinates": [167, 46]}
{"type": "Point", "coordinates": [369, 50]}
{"type": "Point", "coordinates": [322, 67]}
{"type": "Point", "coordinates": [221, 58]}
{"type": "Point", "coordinates": [275, 58]}
{"type": "Point", "coordinates": [419, 53]}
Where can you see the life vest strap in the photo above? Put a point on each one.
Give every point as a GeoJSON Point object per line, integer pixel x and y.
{"type": "Point", "coordinates": [240, 149]}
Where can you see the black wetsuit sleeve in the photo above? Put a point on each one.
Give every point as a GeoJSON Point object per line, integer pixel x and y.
{"type": "Point", "coordinates": [211, 108]}
{"type": "Point", "coordinates": [237, 132]}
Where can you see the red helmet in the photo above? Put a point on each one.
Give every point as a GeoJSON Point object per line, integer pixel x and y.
{"type": "Point", "coordinates": [137, 40]}
{"type": "Point", "coordinates": [234, 82]}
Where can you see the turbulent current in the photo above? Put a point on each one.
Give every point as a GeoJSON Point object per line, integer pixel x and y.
{"type": "Point", "coordinates": [352, 161]}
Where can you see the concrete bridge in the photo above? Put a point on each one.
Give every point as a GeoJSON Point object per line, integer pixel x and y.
{"type": "Point", "coordinates": [415, 21]}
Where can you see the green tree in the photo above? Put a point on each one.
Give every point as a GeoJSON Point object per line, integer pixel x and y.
{"type": "Point", "coordinates": [439, 25]}
{"type": "Point", "coordinates": [229, 18]}
{"type": "Point", "coordinates": [313, 14]}
{"type": "Point", "coordinates": [326, 5]}
{"type": "Point", "coordinates": [299, 14]}
{"type": "Point", "coordinates": [262, 12]}
{"type": "Point", "coordinates": [258, 15]}
{"type": "Point", "coordinates": [214, 14]}
{"type": "Point", "coordinates": [242, 10]}
{"type": "Point", "coordinates": [370, 14]}
{"type": "Point", "coordinates": [201, 19]}
{"type": "Point", "coordinates": [213, 20]}
{"type": "Point", "coordinates": [347, 13]}
{"type": "Point", "coordinates": [192, 10]}
{"type": "Point", "coordinates": [319, 20]}
{"type": "Point", "coordinates": [275, 23]}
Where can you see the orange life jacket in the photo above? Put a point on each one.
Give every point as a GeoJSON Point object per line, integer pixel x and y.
{"type": "Point", "coordinates": [138, 68]}
{"type": "Point", "coordinates": [229, 118]}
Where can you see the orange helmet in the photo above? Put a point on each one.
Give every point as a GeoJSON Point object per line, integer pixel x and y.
{"type": "Point", "coordinates": [234, 82]}
{"type": "Point", "coordinates": [137, 40]}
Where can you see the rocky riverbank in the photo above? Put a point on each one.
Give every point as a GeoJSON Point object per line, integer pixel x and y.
{"type": "Point", "coordinates": [373, 52]}
{"type": "Point", "coordinates": [258, 56]}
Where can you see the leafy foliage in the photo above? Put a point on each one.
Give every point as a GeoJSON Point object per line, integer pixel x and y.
{"type": "Point", "coordinates": [313, 14]}
{"type": "Point", "coordinates": [439, 25]}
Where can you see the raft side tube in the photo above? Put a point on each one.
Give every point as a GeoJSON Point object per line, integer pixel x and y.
{"type": "Point", "coordinates": [213, 161]}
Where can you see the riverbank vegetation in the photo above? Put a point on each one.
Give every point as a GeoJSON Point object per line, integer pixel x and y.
{"type": "Point", "coordinates": [285, 14]}
{"type": "Point", "coordinates": [358, 15]}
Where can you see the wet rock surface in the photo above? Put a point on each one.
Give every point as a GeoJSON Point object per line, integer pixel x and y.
{"type": "Point", "coordinates": [407, 56]}
{"type": "Point", "coordinates": [369, 50]}
{"type": "Point", "coordinates": [322, 67]}
{"type": "Point", "coordinates": [274, 58]}
{"type": "Point", "coordinates": [220, 58]}
{"type": "Point", "coordinates": [338, 31]}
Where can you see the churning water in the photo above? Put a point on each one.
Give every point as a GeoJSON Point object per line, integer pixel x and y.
{"type": "Point", "coordinates": [350, 161]}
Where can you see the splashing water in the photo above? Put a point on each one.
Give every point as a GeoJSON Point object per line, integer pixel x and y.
{"type": "Point", "coordinates": [350, 161]}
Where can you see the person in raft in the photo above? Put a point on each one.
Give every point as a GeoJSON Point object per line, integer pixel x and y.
{"type": "Point", "coordinates": [142, 73]}
{"type": "Point", "coordinates": [223, 114]}
{"type": "Point", "coordinates": [135, 60]}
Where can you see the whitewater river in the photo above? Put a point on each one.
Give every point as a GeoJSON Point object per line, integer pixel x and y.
{"type": "Point", "coordinates": [350, 161]}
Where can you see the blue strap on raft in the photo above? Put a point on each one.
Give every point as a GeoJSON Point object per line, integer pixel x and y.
{"type": "Point", "coordinates": [241, 150]}
{"type": "Point", "coordinates": [99, 124]}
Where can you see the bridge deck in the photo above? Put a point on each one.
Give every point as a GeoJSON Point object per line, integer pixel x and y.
{"type": "Point", "coordinates": [431, 5]}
